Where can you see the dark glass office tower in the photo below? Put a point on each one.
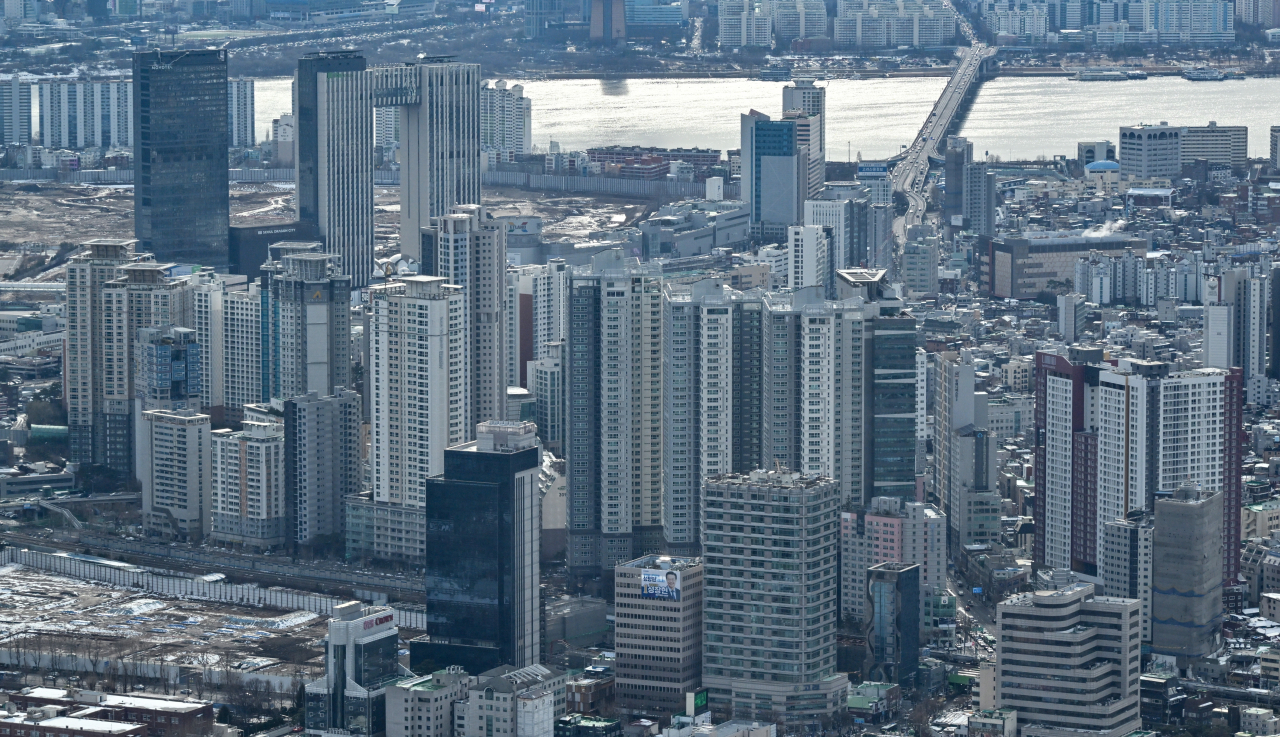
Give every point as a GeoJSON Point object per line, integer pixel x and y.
{"type": "Point", "coordinates": [181, 207]}
{"type": "Point", "coordinates": [484, 526]}
{"type": "Point", "coordinates": [892, 433]}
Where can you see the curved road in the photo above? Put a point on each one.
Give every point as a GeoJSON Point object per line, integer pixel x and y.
{"type": "Point", "coordinates": [910, 175]}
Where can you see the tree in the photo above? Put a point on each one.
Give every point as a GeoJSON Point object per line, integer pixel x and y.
{"type": "Point", "coordinates": [224, 715]}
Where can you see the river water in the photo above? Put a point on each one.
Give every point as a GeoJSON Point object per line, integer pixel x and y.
{"type": "Point", "coordinates": [1015, 118]}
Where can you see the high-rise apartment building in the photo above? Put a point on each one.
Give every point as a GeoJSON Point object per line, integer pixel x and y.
{"type": "Point", "coordinates": [240, 125]}
{"type": "Point", "coordinates": [893, 622]}
{"type": "Point", "coordinates": [1039, 637]}
{"type": "Point", "coordinates": [360, 664]}
{"type": "Point", "coordinates": [1089, 418]}
{"type": "Point", "coordinates": [468, 252]}
{"type": "Point", "coordinates": [386, 127]}
{"type": "Point", "coordinates": [958, 155]}
{"type": "Point", "coordinates": [657, 634]}
{"type": "Point", "coordinates": [770, 649]}
{"type": "Point", "coordinates": [308, 325]}
{"type": "Point", "coordinates": [1072, 313]}
{"type": "Point", "coordinates": [775, 174]}
{"type": "Point", "coordinates": [834, 371]}
{"type": "Point", "coordinates": [15, 109]}
{"type": "Point", "coordinates": [322, 463]}
{"type": "Point", "coordinates": [181, 196]}
{"type": "Point", "coordinates": [336, 201]}
{"type": "Point", "coordinates": [1151, 150]}
{"type": "Point", "coordinates": [888, 530]}
{"type": "Point", "coordinates": [86, 365]}
{"type": "Point", "coordinates": [167, 368]}
{"type": "Point", "coordinates": [712, 397]}
{"type": "Point", "coordinates": [537, 309]}
{"type": "Point", "coordinates": [482, 549]}
{"type": "Point", "coordinates": [143, 296]}
{"type": "Point", "coordinates": [809, 133]}
{"type": "Point", "coordinates": [1186, 580]}
{"type": "Point", "coordinates": [1275, 147]}
{"type": "Point", "coordinates": [82, 114]}
{"type": "Point", "coordinates": [979, 199]}
{"type": "Point", "coordinates": [844, 218]}
{"type": "Point", "coordinates": [965, 465]}
{"type": "Point", "coordinates": [548, 378]}
{"type": "Point", "coordinates": [506, 118]}
{"type": "Point", "coordinates": [802, 94]}
{"type": "Point", "coordinates": [419, 368]}
{"type": "Point", "coordinates": [1125, 561]}
{"type": "Point", "coordinates": [1236, 307]}
{"type": "Point", "coordinates": [614, 444]}
{"type": "Point", "coordinates": [809, 250]}
{"type": "Point", "coordinates": [174, 467]}
{"type": "Point", "coordinates": [248, 506]}
{"type": "Point", "coordinates": [745, 23]}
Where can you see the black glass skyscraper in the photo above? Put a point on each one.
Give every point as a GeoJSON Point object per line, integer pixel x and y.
{"type": "Point", "coordinates": [482, 551]}
{"type": "Point", "coordinates": [181, 207]}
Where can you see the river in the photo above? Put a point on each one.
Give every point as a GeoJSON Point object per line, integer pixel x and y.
{"type": "Point", "coordinates": [1015, 118]}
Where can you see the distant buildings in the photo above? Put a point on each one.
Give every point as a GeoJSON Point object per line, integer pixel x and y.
{"type": "Point", "coordinates": [240, 123]}
{"type": "Point", "coordinates": [15, 109]}
{"type": "Point", "coordinates": [75, 114]}
{"type": "Point", "coordinates": [877, 24]}
{"type": "Point", "coordinates": [506, 117]}
{"type": "Point", "coordinates": [745, 23]}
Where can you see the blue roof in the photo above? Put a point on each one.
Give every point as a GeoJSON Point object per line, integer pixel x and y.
{"type": "Point", "coordinates": [1102, 166]}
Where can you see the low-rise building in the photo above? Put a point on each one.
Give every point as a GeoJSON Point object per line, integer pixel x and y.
{"type": "Point", "coordinates": [422, 706]}
{"type": "Point", "coordinates": [497, 699]}
{"type": "Point", "coordinates": [160, 717]}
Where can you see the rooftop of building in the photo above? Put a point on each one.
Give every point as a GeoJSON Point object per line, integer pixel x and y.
{"type": "Point", "coordinates": [83, 696]}
{"type": "Point", "coordinates": [97, 726]}
{"type": "Point", "coordinates": [589, 720]}
{"type": "Point", "coordinates": [435, 681]}
{"type": "Point", "coordinates": [778, 478]}
{"type": "Point", "coordinates": [662, 562]}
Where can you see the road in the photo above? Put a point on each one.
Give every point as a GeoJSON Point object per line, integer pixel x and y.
{"type": "Point", "coordinates": [912, 172]}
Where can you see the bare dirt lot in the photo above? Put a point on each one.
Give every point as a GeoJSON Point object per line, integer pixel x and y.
{"type": "Point", "coordinates": [51, 213]}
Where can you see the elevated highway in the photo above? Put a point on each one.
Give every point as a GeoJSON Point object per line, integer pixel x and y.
{"type": "Point", "coordinates": [912, 171]}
